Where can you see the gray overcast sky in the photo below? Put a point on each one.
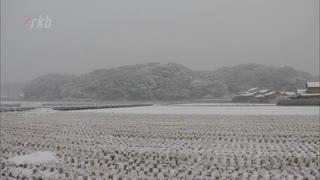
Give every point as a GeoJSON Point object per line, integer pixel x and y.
{"type": "Point", "coordinates": [201, 34]}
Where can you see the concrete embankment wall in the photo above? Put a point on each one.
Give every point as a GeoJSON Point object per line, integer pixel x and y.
{"type": "Point", "coordinates": [299, 102]}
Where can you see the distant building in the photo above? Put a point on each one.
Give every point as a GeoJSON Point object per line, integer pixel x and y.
{"type": "Point", "coordinates": [264, 91]}
{"type": "Point", "coordinates": [289, 94]}
{"type": "Point", "coordinates": [257, 95]}
{"type": "Point", "coordinates": [312, 91]}
{"type": "Point", "coordinates": [272, 94]}
{"type": "Point", "coordinates": [313, 87]}
{"type": "Point", "coordinates": [253, 90]}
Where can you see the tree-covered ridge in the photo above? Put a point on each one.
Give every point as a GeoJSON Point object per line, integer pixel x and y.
{"type": "Point", "coordinates": [155, 81]}
{"type": "Point", "coordinates": [244, 76]}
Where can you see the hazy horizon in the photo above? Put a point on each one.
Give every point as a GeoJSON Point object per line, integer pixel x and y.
{"type": "Point", "coordinates": [88, 35]}
{"type": "Point", "coordinates": [145, 63]}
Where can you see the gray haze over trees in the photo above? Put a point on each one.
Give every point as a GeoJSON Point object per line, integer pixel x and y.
{"type": "Point", "coordinates": [155, 81]}
{"type": "Point", "coordinates": [202, 35]}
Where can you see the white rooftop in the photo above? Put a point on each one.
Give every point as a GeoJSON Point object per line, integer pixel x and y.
{"type": "Point", "coordinates": [253, 90]}
{"type": "Point", "coordinates": [270, 93]}
{"type": "Point", "coordinates": [313, 84]}
{"type": "Point", "coordinates": [310, 94]}
{"type": "Point", "coordinates": [262, 91]}
{"type": "Point", "coordinates": [248, 94]}
{"type": "Point", "coordinates": [301, 91]}
{"type": "Point", "coordinates": [289, 93]}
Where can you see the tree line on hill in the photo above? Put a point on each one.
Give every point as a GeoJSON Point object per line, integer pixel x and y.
{"type": "Point", "coordinates": [155, 81]}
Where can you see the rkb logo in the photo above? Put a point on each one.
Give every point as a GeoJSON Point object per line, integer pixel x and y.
{"type": "Point", "coordinates": [42, 22]}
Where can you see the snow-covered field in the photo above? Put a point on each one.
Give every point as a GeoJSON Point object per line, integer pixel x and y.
{"type": "Point", "coordinates": [144, 143]}
{"type": "Point", "coordinates": [213, 109]}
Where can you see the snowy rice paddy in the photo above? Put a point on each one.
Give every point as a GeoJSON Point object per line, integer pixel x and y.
{"type": "Point", "coordinates": [226, 109]}
{"type": "Point", "coordinates": [120, 144]}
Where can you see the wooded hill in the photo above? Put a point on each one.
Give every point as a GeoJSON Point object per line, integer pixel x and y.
{"type": "Point", "coordinates": [155, 81]}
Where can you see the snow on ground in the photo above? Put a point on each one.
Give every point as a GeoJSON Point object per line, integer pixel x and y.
{"type": "Point", "coordinates": [41, 111]}
{"type": "Point", "coordinates": [37, 157]}
{"type": "Point", "coordinates": [24, 103]}
{"type": "Point", "coordinates": [163, 142]}
{"type": "Point", "coordinates": [222, 104]}
{"type": "Point", "coordinates": [159, 146]}
{"type": "Point", "coordinates": [28, 173]}
{"type": "Point", "coordinates": [226, 110]}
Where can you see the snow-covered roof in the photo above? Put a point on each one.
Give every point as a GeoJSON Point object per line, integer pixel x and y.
{"type": "Point", "coordinates": [253, 90]}
{"type": "Point", "coordinates": [270, 93]}
{"type": "Point", "coordinates": [301, 91]}
{"type": "Point", "coordinates": [310, 94]}
{"type": "Point", "coordinates": [247, 94]}
{"type": "Point", "coordinates": [262, 91]}
{"type": "Point", "coordinates": [289, 93]}
{"type": "Point", "coordinates": [313, 84]}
